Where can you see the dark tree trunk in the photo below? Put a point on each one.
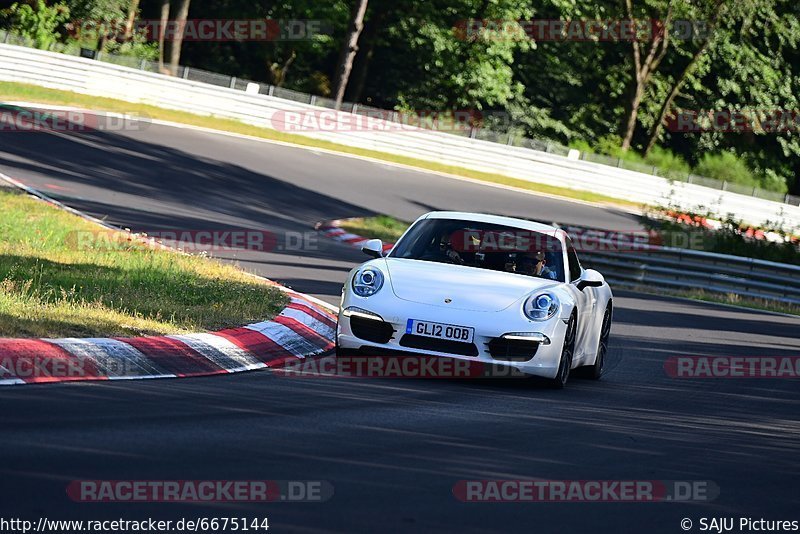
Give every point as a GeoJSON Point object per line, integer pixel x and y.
{"type": "Point", "coordinates": [349, 50]}
{"type": "Point", "coordinates": [177, 41]}
{"type": "Point", "coordinates": [666, 107]}
{"type": "Point", "coordinates": [133, 8]}
{"type": "Point", "coordinates": [643, 68]}
{"type": "Point", "coordinates": [162, 26]}
{"type": "Point", "coordinates": [358, 78]}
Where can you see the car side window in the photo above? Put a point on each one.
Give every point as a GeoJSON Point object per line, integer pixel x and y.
{"type": "Point", "coordinates": [574, 263]}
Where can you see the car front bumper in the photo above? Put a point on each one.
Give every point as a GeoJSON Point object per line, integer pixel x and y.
{"type": "Point", "coordinates": [388, 333]}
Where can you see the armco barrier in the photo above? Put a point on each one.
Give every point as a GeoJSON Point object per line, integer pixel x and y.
{"type": "Point", "coordinates": [672, 268]}
{"type": "Point", "coordinates": [90, 77]}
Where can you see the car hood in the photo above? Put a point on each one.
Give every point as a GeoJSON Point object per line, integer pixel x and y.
{"type": "Point", "coordinates": [468, 288]}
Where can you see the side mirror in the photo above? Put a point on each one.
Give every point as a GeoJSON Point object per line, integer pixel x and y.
{"type": "Point", "coordinates": [373, 247]}
{"type": "Point", "coordinates": [590, 278]}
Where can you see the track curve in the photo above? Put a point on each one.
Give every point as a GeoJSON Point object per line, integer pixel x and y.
{"type": "Point", "coordinates": [393, 449]}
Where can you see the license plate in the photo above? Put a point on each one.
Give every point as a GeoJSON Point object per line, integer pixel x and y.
{"type": "Point", "coordinates": [449, 332]}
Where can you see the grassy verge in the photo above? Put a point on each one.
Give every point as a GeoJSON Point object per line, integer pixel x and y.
{"type": "Point", "coordinates": [390, 229]}
{"type": "Point", "coordinates": [10, 91]}
{"type": "Point", "coordinates": [51, 287]}
{"type": "Point", "coordinates": [387, 229]}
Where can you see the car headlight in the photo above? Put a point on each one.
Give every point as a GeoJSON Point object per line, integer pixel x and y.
{"type": "Point", "coordinates": [367, 282]}
{"type": "Point", "coordinates": [541, 306]}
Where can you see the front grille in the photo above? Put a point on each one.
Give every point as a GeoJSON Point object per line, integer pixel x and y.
{"type": "Point", "coordinates": [512, 350]}
{"type": "Point", "coordinates": [375, 331]}
{"type": "Point", "coordinates": [414, 341]}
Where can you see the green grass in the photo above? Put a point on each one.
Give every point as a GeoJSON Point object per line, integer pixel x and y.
{"type": "Point", "coordinates": [390, 229]}
{"type": "Point", "coordinates": [11, 91]}
{"type": "Point", "coordinates": [383, 227]}
{"type": "Point", "coordinates": [52, 287]}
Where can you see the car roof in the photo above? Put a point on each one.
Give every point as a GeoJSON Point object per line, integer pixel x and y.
{"type": "Point", "coordinates": [493, 219]}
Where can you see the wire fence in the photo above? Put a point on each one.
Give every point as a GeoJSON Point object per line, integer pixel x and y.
{"type": "Point", "coordinates": [475, 132]}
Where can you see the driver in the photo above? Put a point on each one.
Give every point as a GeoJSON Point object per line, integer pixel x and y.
{"type": "Point", "coordinates": [537, 266]}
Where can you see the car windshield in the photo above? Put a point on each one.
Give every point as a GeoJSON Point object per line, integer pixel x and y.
{"type": "Point", "coordinates": [485, 246]}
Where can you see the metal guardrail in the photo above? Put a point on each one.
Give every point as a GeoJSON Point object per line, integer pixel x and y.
{"type": "Point", "coordinates": [640, 264]}
{"type": "Point", "coordinates": [480, 133]}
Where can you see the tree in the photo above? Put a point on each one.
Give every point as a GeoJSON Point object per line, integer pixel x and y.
{"type": "Point", "coordinates": [349, 49]}
{"type": "Point", "coordinates": [644, 66]}
{"type": "Point", "coordinates": [162, 28]}
{"type": "Point", "coordinates": [133, 10]}
{"type": "Point", "coordinates": [105, 15]}
{"type": "Point", "coordinates": [685, 73]}
{"type": "Point", "coordinates": [177, 40]}
{"type": "Point", "coordinates": [38, 24]}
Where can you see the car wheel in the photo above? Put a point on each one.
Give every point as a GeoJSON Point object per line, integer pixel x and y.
{"type": "Point", "coordinates": [340, 352]}
{"type": "Point", "coordinates": [565, 364]}
{"type": "Point", "coordinates": [596, 370]}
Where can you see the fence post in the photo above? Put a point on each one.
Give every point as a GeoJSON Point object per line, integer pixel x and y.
{"type": "Point", "coordinates": [312, 100]}
{"type": "Point", "coordinates": [233, 82]}
{"type": "Point", "coordinates": [271, 90]}
{"type": "Point", "coordinates": [185, 73]}
{"type": "Point", "coordinates": [724, 185]}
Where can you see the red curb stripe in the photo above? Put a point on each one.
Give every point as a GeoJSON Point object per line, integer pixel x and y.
{"type": "Point", "coordinates": [265, 349]}
{"type": "Point", "coordinates": [327, 320]}
{"type": "Point", "coordinates": [37, 361]}
{"type": "Point", "coordinates": [306, 331]}
{"type": "Point", "coordinates": [174, 356]}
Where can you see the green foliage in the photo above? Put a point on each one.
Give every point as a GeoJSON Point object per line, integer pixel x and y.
{"type": "Point", "coordinates": [611, 145]}
{"type": "Point", "coordinates": [99, 21]}
{"type": "Point", "coordinates": [726, 166]}
{"type": "Point", "coordinates": [38, 24]}
{"type": "Point", "coordinates": [669, 164]}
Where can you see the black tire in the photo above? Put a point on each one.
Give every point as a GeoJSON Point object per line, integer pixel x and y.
{"type": "Point", "coordinates": [340, 352]}
{"type": "Point", "coordinates": [567, 351]}
{"type": "Point", "coordinates": [596, 371]}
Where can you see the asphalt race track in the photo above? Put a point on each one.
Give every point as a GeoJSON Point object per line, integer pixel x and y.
{"type": "Point", "coordinates": [392, 449]}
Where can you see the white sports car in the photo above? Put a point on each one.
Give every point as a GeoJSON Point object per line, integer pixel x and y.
{"type": "Point", "coordinates": [495, 290]}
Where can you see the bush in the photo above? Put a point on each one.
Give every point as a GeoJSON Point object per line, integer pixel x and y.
{"type": "Point", "coordinates": [38, 24]}
{"type": "Point", "coordinates": [669, 164]}
{"type": "Point", "coordinates": [726, 166]}
{"type": "Point", "coordinates": [582, 146]}
{"type": "Point", "coordinates": [611, 145]}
